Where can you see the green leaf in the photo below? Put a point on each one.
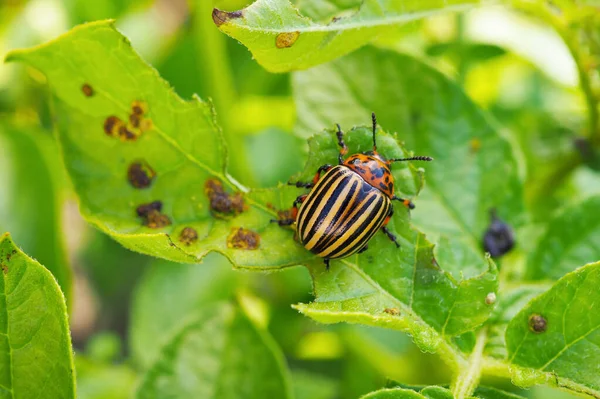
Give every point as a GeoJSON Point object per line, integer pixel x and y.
{"type": "Point", "coordinates": [308, 385]}
{"type": "Point", "coordinates": [434, 392]}
{"type": "Point", "coordinates": [493, 393]}
{"type": "Point", "coordinates": [167, 295]}
{"type": "Point", "coordinates": [394, 393]}
{"type": "Point", "coordinates": [36, 359]}
{"type": "Point", "coordinates": [510, 301]}
{"type": "Point", "coordinates": [227, 356]}
{"type": "Point", "coordinates": [281, 39]}
{"type": "Point", "coordinates": [182, 145]}
{"type": "Point", "coordinates": [475, 167]}
{"type": "Point", "coordinates": [404, 290]}
{"type": "Point", "coordinates": [570, 241]}
{"type": "Point", "coordinates": [31, 212]}
{"type": "Point", "coordinates": [556, 337]}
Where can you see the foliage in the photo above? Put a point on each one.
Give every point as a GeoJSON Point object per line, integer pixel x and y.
{"type": "Point", "coordinates": [200, 181]}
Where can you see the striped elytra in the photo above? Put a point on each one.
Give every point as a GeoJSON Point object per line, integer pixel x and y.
{"type": "Point", "coordinates": [341, 213]}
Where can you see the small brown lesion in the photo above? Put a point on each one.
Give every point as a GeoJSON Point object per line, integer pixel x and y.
{"type": "Point", "coordinates": [4, 269]}
{"type": "Point", "coordinates": [220, 17]}
{"type": "Point", "coordinates": [188, 236]}
{"type": "Point", "coordinates": [87, 90]}
{"type": "Point", "coordinates": [223, 203]}
{"type": "Point", "coordinates": [132, 128]}
{"type": "Point", "coordinates": [241, 238]}
{"type": "Point", "coordinates": [140, 174]}
{"type": "Point", "coordinates": [151, 215]}
{"type": "Point", "coordinates": [392, 311]}
{"type": "Point", "coordinates": [286, 40]}
{"type": "Point", "coordinates": [537, 323]}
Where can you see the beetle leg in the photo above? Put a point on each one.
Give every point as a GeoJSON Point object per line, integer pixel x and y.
{"type": "Point", "coordinates": [363, 249]}
{"type": "Point", "coordinates": [300, 184]}
{"type": "Point", "coordinates": [323, 168]}
{"type": "Point", "coordinates": [343, 148]}
{"type": "Point", "coordinates": [391, 236]}
{"type": "Point", "coordinates": [326, 263]}
{"type": "Point", "coordinates": [407, 203]}
{"type": "Point", "coordinates": [293, 213]}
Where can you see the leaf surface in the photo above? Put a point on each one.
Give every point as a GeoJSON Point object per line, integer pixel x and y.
{"type": "Point", "coordinates": [281, 39]}
{"type": "Point", "coordinates": [556, 337]}
{"type": "Point", "coordinates": [571, 239]}
{"type": "Point", "coordinates": [220, 354]}
{"type": "Point", "coordinates": [36, 359]}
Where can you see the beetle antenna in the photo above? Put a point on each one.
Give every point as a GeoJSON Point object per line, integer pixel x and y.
{"type": "Point", "coordinates": [374, 129]}
{"type": "Point", "coordinates": [419, 158]}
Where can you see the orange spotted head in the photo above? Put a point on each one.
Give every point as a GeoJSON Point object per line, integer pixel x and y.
{"type": "Point", "coordinates": [374, 168]}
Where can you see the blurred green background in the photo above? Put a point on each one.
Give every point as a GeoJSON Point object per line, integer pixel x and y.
{"type": "Point", "coordinates": [529, 86]}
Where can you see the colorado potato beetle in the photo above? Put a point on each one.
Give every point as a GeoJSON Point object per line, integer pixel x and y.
{"type": "Point", "coordinates": [348, 204]}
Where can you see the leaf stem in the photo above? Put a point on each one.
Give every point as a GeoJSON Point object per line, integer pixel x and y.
{"type": "Point", "coordinates": [467, 379]}
{"type": "Point", "coordinates": [214, 68]}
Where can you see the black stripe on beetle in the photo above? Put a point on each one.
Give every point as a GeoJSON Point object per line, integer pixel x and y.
{"type": "Point", "coordinates": [348, 204]}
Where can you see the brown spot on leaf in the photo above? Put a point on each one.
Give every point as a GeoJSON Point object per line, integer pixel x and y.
{"type": "Point", "coordinates": [135, 120]}
{"type": "Point", "coordinates": [87, 90]}
{"type": "Point", "coordinates": [139, 108]}
{"type": "Point", "coordinates": [241, 238]}
{"type": "Point", "coordinates": [220, 17]}
{"type": "Point", "coordinates": [188, 236]}
{"type": "Point", "coordinates": [126, 134]}
{"type": "Point", "coordinates": [140, 174]}
{"type": "Point", "coordinates": [537, 323]}
{"type": "Point", "coordinates": [286, 39]}
{"type": "Point", "coordinates": [112, 125]}
{"type": "Point", "coordinates": [146, 124]}
{"type": "Point", "coordinates": [392, 311]}
{"type": "Point", "coordinates": [222, 202]}
{"type": "Point", "coordinates": [5, 269]}
{"type": "Point", "coordinates": [151, 215]}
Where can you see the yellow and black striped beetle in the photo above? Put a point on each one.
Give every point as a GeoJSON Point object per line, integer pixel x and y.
{"type": "Point", "coordinates": [348, 204]}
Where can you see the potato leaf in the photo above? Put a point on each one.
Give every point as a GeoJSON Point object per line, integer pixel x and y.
{"type": "Point", "coordinates": [571, 240]}
{"type": "Point", "coordinates": [36, 359]}
{"type": "Point", "coordinates": [220, 354]}
{"type": "Point", "coordinates": [556, 338]}
{"type": "Point", "coordinates": [281, 39]}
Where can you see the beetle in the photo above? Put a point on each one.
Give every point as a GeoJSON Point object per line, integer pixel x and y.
{"type": "Point", "coordinates": [348, 204]}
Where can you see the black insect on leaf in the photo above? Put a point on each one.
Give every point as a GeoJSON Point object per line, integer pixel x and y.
{"type": "Point", "coordinates": [499, 238]}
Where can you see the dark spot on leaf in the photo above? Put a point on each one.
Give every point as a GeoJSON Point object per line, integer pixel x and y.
{"type": "Point", "coordinates": [537, 323]}
{"type": "Point", "coordinates": [139, 108]}
{"type": "Point", "coordinates": [151, 215]}
{"type": "Point", "coordinates": [188, 236]}
{"type": "Point", "coordinates": [392, 311]}
{"type": "Point", "coordinates": [221, 202]}
{"type": "Point", "coordinates": [144, 209]}
{"type": "Point", "coordinates": [220, 17]}
{"type": "Point", "coordinates": [241, 238]}
{"type": "Point", "coordinates": [140, 174]}
{"type": "Point", "coordinates": [4, 269]}
{"type": "Point", "coordinates": [125, 134]}
{"type": "Point", "coordinates": [112, 125]}
{"type": "Point", "coordinates": [135, 120]}
{"type": "Point", "coordinates": [499, 237]}
{"type": "Point", "coordinates": [286, 39]}
{"type": "Point", "coordinates": [87, 90]}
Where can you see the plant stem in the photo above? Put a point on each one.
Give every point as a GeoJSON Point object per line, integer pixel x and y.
{"type": "Point", "coordinates": [467, 379]}
{"type": "Point", "coordinates": [214, 68]}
